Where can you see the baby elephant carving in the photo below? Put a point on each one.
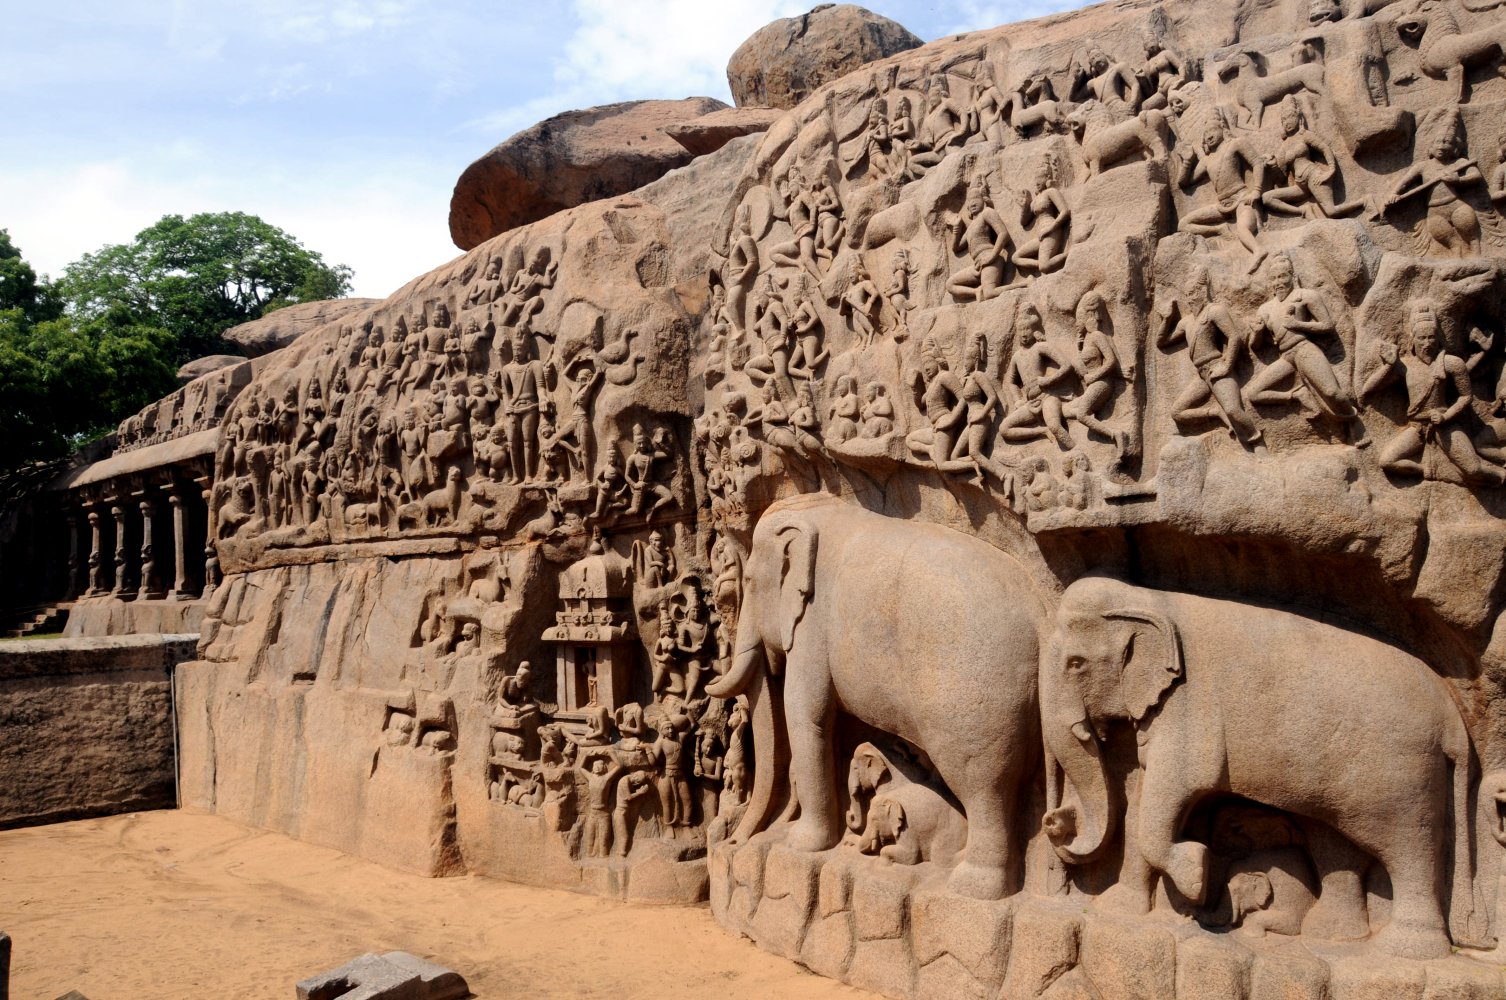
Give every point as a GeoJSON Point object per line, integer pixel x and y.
{"type": "Point", "coordinates": [897, 818]}
{"type": "Point", "coordinates": [1270, 892]}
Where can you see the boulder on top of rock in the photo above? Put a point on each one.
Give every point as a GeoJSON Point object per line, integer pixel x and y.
{"type": "Point", "coordinates": [783, 62]}
{"type": "Point", "coordinates": [708, 134]}
{"type": "Point", "coordinates": [568, 160]}
{"type": "Point", "coordinates": [281, 327]}
{"type": "Point", "coordinates": [199, 367]}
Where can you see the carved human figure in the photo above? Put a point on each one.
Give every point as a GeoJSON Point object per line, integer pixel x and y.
{"type": "Point", "coordinates": [800, 213]}
{"type": "Point", "coordinates": [1292, 317]}
{"type": "Point", "coordinates": [1236, 172]}
{"type": "Point", "coordinates": [741, 269]}
{"type": "Point", "coordinates": [632, 788]}
{"type": "Point", "coordinates": [610, 487]}
{"type": "Point", "coordinates": [804, 328]}
{"type": "Point", "coordinates": [596, 820]}
{"type": "Point", "coordinates": [898, 293]}
{"type": "Point", "coordinates": [667, 752]}
{"type": "Point", "coordinates": [1215, 343]}
{"type": "Point", "coordinates": [980, 235]}
{"type": "Point", "coordinates": [862, 304]}
{"type": "Point", "coordinates": [1451, 224]}
{"type": "Point", "coordinates": [693, 640]}
{"type": "Point", "coordinates": [522, 382]}
{"type": "Point", "coordinates": [938, 396]}
{"type": "Point", "coordinates": [524, 297]}
{"type": "Point", "coordinates": [771, 328]}
{"type": "Point", "coordinates": [574, 435]}
{"type": "Point", "coordinates": [1306, 161]}
{"type": "Point", "coordinates": [878, 412]}
{"type": "Point", "coordinates": [846, 411]}
{"type": "Point", "coordinates": [1035, 378]}
{"type": "Point", "coordinates": [1439, 395]}
{"type": "Point", "coordinates": [1048, 218]}
{"type": "Point", "coordinates": [638, 472]}
{"type": "Point", "coordinates": [1099, 369]}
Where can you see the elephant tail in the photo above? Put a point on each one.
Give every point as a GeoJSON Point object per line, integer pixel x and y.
{"type": "Point", "coordinates": [1469, 923]}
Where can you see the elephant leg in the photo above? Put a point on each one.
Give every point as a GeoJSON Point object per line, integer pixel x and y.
{"type": "Point", "coordinates": [1415, 862]}
{"type": "Point", "coordinates": [1339, 913]}
{"type": "Point", "coordinates": [988, 869]}
{"type": "Point", "coordinates": [1184, 862]}
{"type": "Point", "coordinates": [810, 716]}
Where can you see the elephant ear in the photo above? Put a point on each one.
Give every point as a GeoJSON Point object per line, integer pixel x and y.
{"type": "Point", "coordinates": [797, 578]}
{"type": "Point", "coordinates": [1152, 660]}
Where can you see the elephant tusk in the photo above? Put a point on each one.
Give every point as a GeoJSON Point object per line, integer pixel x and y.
{"type": "Point", "coordinates": [1082, 732]}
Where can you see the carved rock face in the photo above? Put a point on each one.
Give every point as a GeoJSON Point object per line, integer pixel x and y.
{"type": "Point", "coordinates": [280, 328]}
{"type": "Point", "coordinates": [786, 61]}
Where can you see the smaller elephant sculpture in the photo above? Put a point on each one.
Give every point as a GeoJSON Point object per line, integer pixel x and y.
{"type": "Point", "coordinates": [898, 818]}
{"type": "Point", "coordinates": [1360, 742]}
{"type": "Point", "coordinates": [1270, 892]}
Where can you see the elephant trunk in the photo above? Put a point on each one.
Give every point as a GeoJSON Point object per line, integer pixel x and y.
{"type": "Point", "coordinates": [770, 756]}
{"type": "Point", "coordinates": [854, 802]}
{"type": "Point", "coordinates": [1078, 827]}
{"type": "Point", "coordinates": [739, 677]}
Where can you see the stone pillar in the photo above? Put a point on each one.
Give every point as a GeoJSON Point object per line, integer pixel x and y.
{"type": "Point", "coordinates": [211, 557]}
{"type": "Point", "coordinates": [151, 588]}
{"type": "Point", "coordinates": [96, 558]}
{"type": "Point", "coordinates": [117, 511]}
{"type": "Point", "coordinates": [180, 554]}
{"type": "Point", "coordinates": [70, 591]}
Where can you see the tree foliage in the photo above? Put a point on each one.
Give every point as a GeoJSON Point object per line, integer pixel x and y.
{"type": "Point", "coordinates": [199, 276]}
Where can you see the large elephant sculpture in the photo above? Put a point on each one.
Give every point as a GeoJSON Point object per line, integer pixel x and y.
{"type": "Point", "coordinates": [1360, 741]}
{"type": "Point", "coordinates": [915, 629]}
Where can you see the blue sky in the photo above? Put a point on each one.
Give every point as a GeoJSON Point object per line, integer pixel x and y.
{"type": "Point", "coordinates": [345, 122]}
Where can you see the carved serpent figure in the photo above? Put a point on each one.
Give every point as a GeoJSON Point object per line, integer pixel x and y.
{"type": "Point", "coordinates": [915, 629]}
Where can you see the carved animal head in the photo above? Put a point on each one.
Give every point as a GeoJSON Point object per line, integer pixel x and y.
{"type": "Point", "coordinates": [868, 770]}
{"type": "Point", "coordinates": [1113, 655]}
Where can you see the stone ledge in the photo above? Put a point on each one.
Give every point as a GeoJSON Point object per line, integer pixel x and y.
{"type": "Point", "coordinates": [896, 930]}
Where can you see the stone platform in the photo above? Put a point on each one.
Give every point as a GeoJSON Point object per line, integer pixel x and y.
{"type": "Point", "coordinates": [896, 930]}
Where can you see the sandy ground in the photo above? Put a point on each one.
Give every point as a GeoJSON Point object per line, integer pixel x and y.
{"type": "Point", "coordinates": [171, 904]}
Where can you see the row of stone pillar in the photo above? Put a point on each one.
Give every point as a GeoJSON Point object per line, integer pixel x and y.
{"type": "Point", "coordinates": [137, 571]}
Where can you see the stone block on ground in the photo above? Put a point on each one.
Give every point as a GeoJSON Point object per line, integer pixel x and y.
{"type": "Point", "coordinates": [1128, 960]}
{"type": "Point", "coordinates": [395, 975]}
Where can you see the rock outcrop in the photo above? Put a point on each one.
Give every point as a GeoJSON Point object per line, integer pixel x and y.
{"type": "Point", "coordinates": [708, 134]}
{"type": "Point", "coordinates": [210, 363]}
{"type": "Point", "coordinates": [568, 160]}
{"type": "Point", "coordinates": [281, 327]}
{"type": "Point", "coordinates": [784, 62]}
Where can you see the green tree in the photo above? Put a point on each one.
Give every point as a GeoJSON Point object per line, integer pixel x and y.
{"type": "Point", "coordinates": [199, 276]}
{"type": "Point", "coordinates": [66, 379]}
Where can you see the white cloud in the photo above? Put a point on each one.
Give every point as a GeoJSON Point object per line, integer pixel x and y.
{"type": "Point", "coordinates": [389, 224]}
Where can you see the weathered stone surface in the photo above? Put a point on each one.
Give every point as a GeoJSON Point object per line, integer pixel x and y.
{"type": "Point", "coordinates": [89, 726]}
{"type": "Point", "coordinates": [784, 62]}
{"type": "Point", "coordinates": [711, 132]}
{"type": "Point", "coordinates": [395, 975]}
{"type": "Point", "coordinates": [567, 160]}
{"type": "Point", "coordinates": [281, 327]}
{"type": "Point", "coordinates": [1099, 412]}
{"type": "Point", "coordinates": [212, 363]}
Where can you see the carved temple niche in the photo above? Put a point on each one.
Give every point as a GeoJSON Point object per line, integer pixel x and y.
{"type": "Point", "coordinates": [596, 648]}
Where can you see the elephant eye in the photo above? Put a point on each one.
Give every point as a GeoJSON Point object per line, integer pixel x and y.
{"type": "Point", "coordinates": [1074, 664]}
